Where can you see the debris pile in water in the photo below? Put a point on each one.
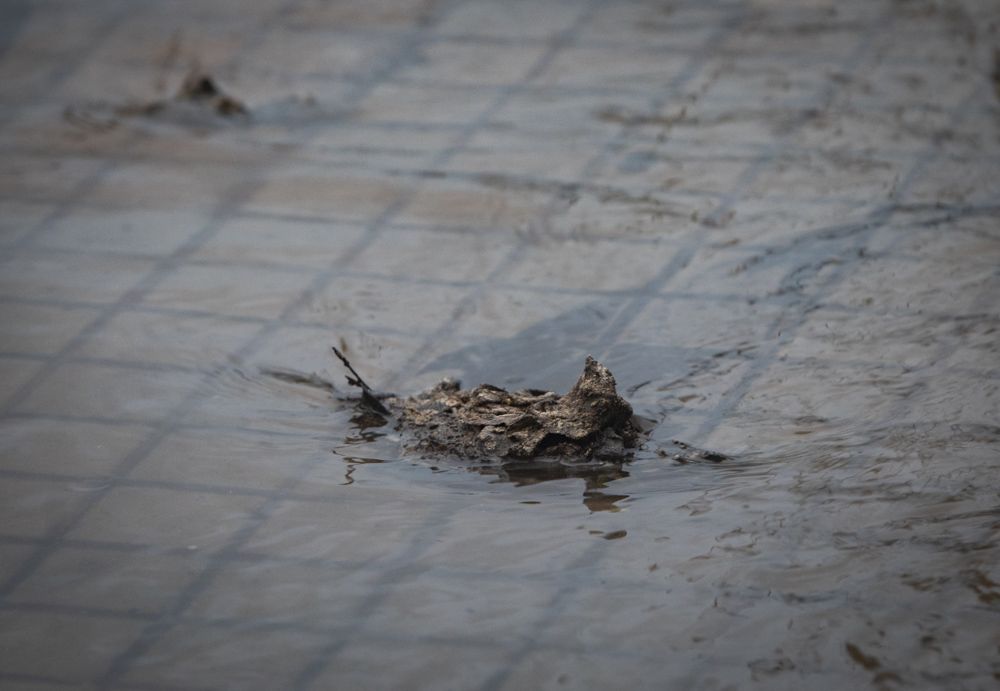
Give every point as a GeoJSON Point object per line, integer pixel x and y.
{"type": "Point", "coordinates": [591, 422]}
{"type": "Point", "coordinates": [199, 102]}
{"type": "Point", "coordinates": [199, 89]}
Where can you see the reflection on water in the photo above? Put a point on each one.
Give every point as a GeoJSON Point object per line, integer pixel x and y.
{"type": "Point", "coordinates": [519, 473]}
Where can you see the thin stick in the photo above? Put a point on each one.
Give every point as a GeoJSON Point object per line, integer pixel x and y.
{"type": "Point", "coordinates": [367, 395]}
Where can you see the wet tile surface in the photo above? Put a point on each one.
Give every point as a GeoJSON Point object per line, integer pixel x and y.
{"type": "Point", "coordinates": [775, 222]}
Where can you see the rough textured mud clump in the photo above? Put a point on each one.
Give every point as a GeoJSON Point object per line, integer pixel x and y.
{"type": "Point", "coordinates": [199, 103]}
{"type": "Point", "coordinates": [199, 89]}
{"type": "Point", "coordinates": [591, 422]}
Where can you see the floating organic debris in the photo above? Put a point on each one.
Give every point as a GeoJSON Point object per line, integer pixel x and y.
{"type": "Point", "coordinates": [590, 423]}
{"type": "Point", "coordinates": [199, 103]}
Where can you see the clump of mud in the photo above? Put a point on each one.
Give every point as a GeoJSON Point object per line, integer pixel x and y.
{"type": "Point", "coordinates": [198, 89]}
{"type": "Point", "coordinates": [591, 422]}
{"type": "Point", "coordinates": [591, 427]}
{"type": "Point", "coordinates": [199, 102]}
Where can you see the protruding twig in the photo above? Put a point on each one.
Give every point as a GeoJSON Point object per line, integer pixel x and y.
{"type": "Point", "coordinates": [368, 396]}
{"type": "Point", "coordinates": [356, 380]}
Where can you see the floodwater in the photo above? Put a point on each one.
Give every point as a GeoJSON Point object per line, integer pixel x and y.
{"type": "Point", "coordinates": [776, 223]}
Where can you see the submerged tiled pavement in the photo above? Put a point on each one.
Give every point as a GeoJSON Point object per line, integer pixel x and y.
{"type": "Point", "coordinates": [775, 221]}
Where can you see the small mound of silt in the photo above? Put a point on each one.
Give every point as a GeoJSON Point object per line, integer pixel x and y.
{"type": "Point", "coordinates": [590, 423]}
{"type": "Point", "coordinates": [200, 91]}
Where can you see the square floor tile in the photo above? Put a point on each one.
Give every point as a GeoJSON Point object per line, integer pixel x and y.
{"type": "Point", "coordinates": [612, 67]}
{"type": "Point", "coordinates": [33, 508]}
{"type": "Point", "coordinates": [265, 240]}
{"type": "Point", "coordinates": [72, 448]}
{"type": "Point", "coordinates": [15, 373]}
{"type": "Point", "coordinates": [12, 557]}
{"type": "Point", "coordinates": [111, 392]}
{"type": "Point", "coordinates": [511, 159]}
{"type": "Point", "coordinates": [337, 530]}
{"type": "Point", "coordinates": [832, 392]}
{"type": "Point", "coordinates": [254, 399]}
{"type": "Point", "coordinates": [807, 176]}
{"type": "Point", "coordinates": [578, 119]}
{"type": "Point", "coordinates": [510, 314]}
{"type": "Point", "coordinates": [670, 175]}
{"type": "Point", "coordinates": [590, 265]}
{"type": "Point", "coordinates": [889, 283]}
{"type": "Point", "coordinates": [317, 190]}
{"type": "Point", "coordinates": [470, 539]}
{"type": "Point", "coordinates": [258, 591]}
{"type": "Point", "coordinates": [167, 518]}
{"type": "Point", "coordinates": [71, 277]}
{"type": "Point", "coordinates": [40, 329]}
{"type": "Point", "coordinates": [846, 336]}
{"type": "Point", "coordinates": [734, 273]}
{"type": "Point", "coordinates": [422, 105]}
{"type": "Point", "coordinates": [369, 665]}
{"type": "Point", "coordinates": [356, 145]}
{"type": "Point", "coordinates": [41, 178]}
{"type": "Point", "coordinates": [359, 15]}
{"type": "Point", "coordinates": [126, 231]}
{"type": "Point", "coordinates": [554, 669]}
{"type": "Point", "coordinates": [311, 52]}
{"type": "Point", "coordinates": [472, 64]}
{"type": "Point", "coordinates": [681, 27]}
{"type": "Point", "coordinates": [715, 325]}
{"type": "Point", "coordinates": [190, 656]}
{"type": "Point", "coordinates": [160, 184]}
{"type": "Point", "coordinates": [230, 291]}
{"type": "Point", "coordinates": [227, 459]}
{"type": "Point", "coordinates": [155, 337]}
{"type": "Point", "coordinates": [133, 581]}
{"type": "Point", "coordinates": [17, 219]}
{"type": "Point", "coordinates": [425, 254]}
{"type": "Point", "coordinates": [377, 302]}
{"type": "Point", "coordinates": [75, 649]}
{"type": "Point", "coordinates": [470, 205]}
{"type": "Point", "coordinates": [437, 605]}
{"type": "Point", "coordinates": [513, 19]}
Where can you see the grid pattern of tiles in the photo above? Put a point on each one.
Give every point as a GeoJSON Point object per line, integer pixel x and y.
{"type": "Point", "coordinates": [694, 193]}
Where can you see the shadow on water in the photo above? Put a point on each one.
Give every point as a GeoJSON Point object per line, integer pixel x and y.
{"type": "Point", "coordinates": [548, 354]}
{"type": "Point", "coordinates": [366, 445]}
